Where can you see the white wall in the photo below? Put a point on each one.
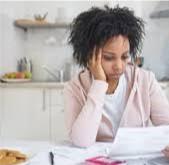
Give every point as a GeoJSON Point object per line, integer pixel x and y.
{"type": "Point", "coordinates": [56, 55]}
{"type": "Point", "coordinates": [15, 43]}
{"type": "Point", "coordinates": [156, 46]}
{"type": "Point", "coordinates": [33, 44]}
{"type": "Point", "coordinates": [11, 41]}
{"type": "Point", "coordinates": [156, 43]}
{"type": "Point", "coordinates": [0, 45]}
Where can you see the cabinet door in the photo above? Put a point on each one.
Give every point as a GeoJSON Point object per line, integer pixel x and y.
{"type": "Point", "coordinates": [24, 114]}
{"type": "Point", "coordinates": [57, 97]}
{"type": "Point", "coordinates": [58, 131]}
{"type": "Point", "coordinates": [0, 110]}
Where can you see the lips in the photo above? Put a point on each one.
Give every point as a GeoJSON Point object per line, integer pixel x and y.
{"type": "Point", "coordinates": [115, 75]}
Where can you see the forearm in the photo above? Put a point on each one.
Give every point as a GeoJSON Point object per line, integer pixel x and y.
{"type": "Point", "coordinates": [85, 127]}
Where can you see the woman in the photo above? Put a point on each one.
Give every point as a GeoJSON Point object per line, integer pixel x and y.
{"type": "Point", "coordinates": [110, 92]}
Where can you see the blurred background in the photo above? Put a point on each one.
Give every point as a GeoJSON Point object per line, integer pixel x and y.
{"type": "Point", "coordinates": [33, 38]}
{"type": "Point", "coordinates": [47, 47]}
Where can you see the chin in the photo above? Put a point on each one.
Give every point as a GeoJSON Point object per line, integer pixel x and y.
{"type": "Point", "coordinates": [114, 77]}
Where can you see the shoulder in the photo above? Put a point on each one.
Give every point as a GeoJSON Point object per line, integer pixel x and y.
{"type": "Point", "coordinates": [146, 75]}
{"type": "Point", "coordinates": [81, 81]}
{"type": "Point", "coordinates": [143, 78]}
{"type": "Point", "coordinates": [136, 73]}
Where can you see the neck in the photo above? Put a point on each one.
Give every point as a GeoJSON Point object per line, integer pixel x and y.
{"type": "Point", "coordinates": [113, 83]}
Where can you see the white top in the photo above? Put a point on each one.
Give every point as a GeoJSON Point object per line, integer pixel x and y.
{"type": "Point", "coordinates": [115, 103]}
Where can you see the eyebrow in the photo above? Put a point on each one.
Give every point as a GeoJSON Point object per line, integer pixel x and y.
{"type": "Point", "coordinates": [114, 53]}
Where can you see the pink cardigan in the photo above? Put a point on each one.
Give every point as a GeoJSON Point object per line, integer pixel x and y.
{"type": "Point", "coordinates": [84, 100]}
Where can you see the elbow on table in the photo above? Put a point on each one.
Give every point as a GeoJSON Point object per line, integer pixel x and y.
{"type": "Point", "coordinates": [82, 142]}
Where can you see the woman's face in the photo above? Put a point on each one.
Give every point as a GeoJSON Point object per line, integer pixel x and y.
{"type": "Point", "coordinates": [115, 56]}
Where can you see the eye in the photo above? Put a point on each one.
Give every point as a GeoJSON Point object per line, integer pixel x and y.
{"type": "Point", "coordinates": [125, 57]}
{"type": "Point", "coordinates": [108, 58]}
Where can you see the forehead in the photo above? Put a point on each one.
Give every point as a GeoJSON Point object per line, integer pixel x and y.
{"type": "Point", "coordinates": [117, 43]}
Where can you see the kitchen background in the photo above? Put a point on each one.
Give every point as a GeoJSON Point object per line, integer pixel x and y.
{"type": "Point", "coordinates": [48, 46]}
{"type": "Point", "coordinates": [35, 110]}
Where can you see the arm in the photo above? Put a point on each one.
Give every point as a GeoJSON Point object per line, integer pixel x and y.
{"type": "Point", "coordinates": [83, 121]}
{"type": "Point", "coordinates": [159, 103]}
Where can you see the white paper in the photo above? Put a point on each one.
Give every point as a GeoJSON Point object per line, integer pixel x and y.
{"type": "Point", "coordinates": [140, 142]}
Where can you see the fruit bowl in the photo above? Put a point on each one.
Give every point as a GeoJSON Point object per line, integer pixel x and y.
{"type": "Point", "coordinates": [16, 77]}
{"type": "Point", "coordinates": [8, 80]}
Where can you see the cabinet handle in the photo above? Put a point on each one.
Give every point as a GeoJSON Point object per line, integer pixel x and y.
{"type": "Point", "coordinates": [44, 100]}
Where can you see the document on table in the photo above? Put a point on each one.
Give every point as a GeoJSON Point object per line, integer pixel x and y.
{"type": "Point", "coordinates": [67, 154]}
{"type": "Point", "coordinates": [130, 143]}
{"type": "Point", "coordinates": [140, 142]}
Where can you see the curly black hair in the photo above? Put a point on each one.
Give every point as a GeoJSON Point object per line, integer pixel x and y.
{"type": "Point", "coordinates": [95, 26]}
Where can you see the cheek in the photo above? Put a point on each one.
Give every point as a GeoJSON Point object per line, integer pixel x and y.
{"type": "Point", "coordinates": [124, 63]}
{"type": "Point", "coordinates": [111, 66]}
{"type": "Point", "coordinates": [107, 66]}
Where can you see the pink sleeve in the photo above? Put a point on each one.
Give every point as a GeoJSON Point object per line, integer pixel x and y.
{"type": "Point", "coordinates": [83, 119]}
{"type": "Point", "coordinates": [159, 103]}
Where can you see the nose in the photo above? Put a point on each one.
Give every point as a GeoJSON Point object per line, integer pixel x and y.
{"type": "Point", "coordinates": [118, 66]}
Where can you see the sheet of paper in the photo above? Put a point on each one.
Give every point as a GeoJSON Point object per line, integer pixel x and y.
{"type": "Point", "coordinates": [67, 154]}
{"type": "Point", "coordinates": [140, 142]}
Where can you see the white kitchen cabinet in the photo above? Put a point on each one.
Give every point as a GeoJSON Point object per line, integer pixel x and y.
{"type": "Point", "coordinates": [32, 114]}
{"type": "Point", "coordinates": [25, 114]}
{"type": "Point", "coordinates": [0, 109]}
{"type": "Point", "coordinates": [58, 131]}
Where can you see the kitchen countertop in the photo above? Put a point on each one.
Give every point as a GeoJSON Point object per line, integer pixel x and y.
{"type": "Point", "coordinates": [57, 85]}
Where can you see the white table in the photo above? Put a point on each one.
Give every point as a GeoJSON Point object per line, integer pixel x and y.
{"type": "Point", "coordinates": [66, 154]}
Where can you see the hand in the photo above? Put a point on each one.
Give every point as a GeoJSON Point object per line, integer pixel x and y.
{"type": "Point", "coordinates": [95, 65]}
{"type": "Point", "coordinates": [166, 151]}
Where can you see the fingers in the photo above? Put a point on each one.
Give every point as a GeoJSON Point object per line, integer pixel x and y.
{"type": "Point", "coordinates": [99, 56]}
{"type": "Point", "coordinates": [96, 56]}
{"type": "Point", "coordinates": [95, 65]}
{"type": "Point", "coordinates": [166, 151]}
{"type": "Point", "coordinates": [167, 148]}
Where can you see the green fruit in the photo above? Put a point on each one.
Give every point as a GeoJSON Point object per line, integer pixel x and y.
{"type": "Point", "coordinates": [13, 75]}
{"type": "Point", "coordinates": [9, 75]}
{"type": "Point", "coordinates": [28, 75]}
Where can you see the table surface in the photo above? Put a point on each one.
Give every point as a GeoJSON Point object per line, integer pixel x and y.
{"type": "Point", "coordinates": [67, 154]}
{"type": "Point", "coordinates": [40, 150]}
